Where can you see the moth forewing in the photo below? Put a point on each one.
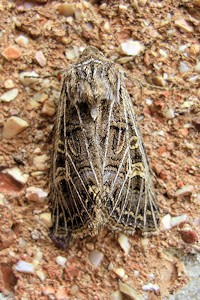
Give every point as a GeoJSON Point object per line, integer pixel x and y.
{"type": "Point", "coordinates": [100, 173]}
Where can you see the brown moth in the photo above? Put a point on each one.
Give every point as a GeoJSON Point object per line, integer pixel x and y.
{"type": "Point", "coordinates": [100, 175]}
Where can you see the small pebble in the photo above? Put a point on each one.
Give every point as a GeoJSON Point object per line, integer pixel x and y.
{"type": "Point", "coordinates": [9, 84]}
{"type": "Point", "coordinates": [150, 287]}
{"type": "Point", "coordinates": [184, 25]}
{"type": "Point", "coordinates": [74, 289]}
{"type": "Point", "coordinates": [186, 190]}
{"type": "Point", "coordinates": [40, 97]}
{"type": "Point", "coordinates": [13, 126]}
{"type": "Point", "coordinates": [136, 273]}
{"type": "Point", "coordinates": [9, 95]}
{"type": "Point", "coordinates": [40, 162]}
{"type": "Point", "coordinates": [89, 246]}
{"type": "Point", "coordinates": [17, 174]}
{"type": "Point", "coordinates": [60, 260]}
{"type": "Point", "coordinates": [36, 194]}
{"type": "Point", "coordinates": [120, 272]}
{"type": "Point", "coordinates": [182, 48]}
{"type": "Point", "coordinates": [22, 242]}
{"type": "Point", "coordinates": [175, 221]}
{"type": "Point", "coordinates": [24, 267]}
{"type": "Point", "coordinates": [66, 9]}
{"type": "Point", "coordinates": [132, 48]}
{"type": "Point", "coordinates": [159, 80]}
{"type": "Point", "coordinates": [129, 291]}
{"type": "Point", "coordinates": [35, 235]}
{"type": "Point", "coordinates": [165, 222]}
{"type": "Point", "coordinates": [41, 275]}
{"type": "Point", "coordinates": [3, 200]}
{"type": "Point", "coordinates": [122, 8]}
{"type": "Point", "coordinates": [183, 67]}
{"type": "Point", "coordinates": [151, 276]}
{"type": "Point", "coordinates": [124, 243]}
{"type": "Point", "coordinates": [110, 266]}
{"type": "Point", "coordinates": [197, 67]}
{"type": "Point", "coordinates": [169, 114]}
{"type": "Point", "coordinates": [149, 101]}
{"type": "Point", "coordinates": [95, 257]}
{"type": "Point", "coordinates": [28, 78]}
{"type": "Point", "coordinates": [46, 219]}
{"type": "Point", "coordinates": [117, 295]}
{"type": "Point", "coordinates": [11, 53]}
{"type": "Point", "coordinates": [40, 58]}
{"type": "Point", "coordinates": [48, 108]}
{"type": "Point", "coordinates": [22, 40]}
{"type": "Point", "coordinates": [163, 53]}
{"type": "Point", "coordinates": [61, 293]}
{"type": "Point", "coordinates": [189, 235]}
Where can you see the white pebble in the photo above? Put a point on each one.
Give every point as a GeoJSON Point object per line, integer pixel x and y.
{"type": "Point", "coordinates": [151, 287]}
{"type": "Point", "coordinates": [124, 243]}
{"type": "Point", "coordinates": [48, 108]}
{"type": "Point", "coordinates": [175, 221]}
{"type": "Point", "coordinates": [117, 295]}
{"type": "Point", "coordinates": [132, 48]}
{"type": "Point", "coordinates": [158, 133]}
{"type": "Point", "coordinates": [3, 200]}
{"type": "Point", "coordinates": [184, 25]}
{"type": "Point", "coordinates": [22, 242]}
{"type": "Point", "coordinates": [182, 48]}
{"type": "Point", "coordinates": [24, 267]}
{"type": "Point", "coordinates": [9, 84]}
{"type": "Point", "coordinates": [35, 235]}
{"type": "Point", "coordinates": [151, 276]}
{"type": "Point", "coordinates": [36, 194]}
{"type": "Point", "coordinates": [40, 162]}
{"type": "Point", "coordinates": [61, 260]}
{"type": "Point", "coordinates": [185, 190]}
{"type": "Point", "coordinates": [169, 114]}
{"type": "Point", "coordinates": [120, 272]}
{"type": "Point", "coordinates": [28, 78]}
{"type": "Point", "coordinates": [129, 291]}
{"type": "Point", "coordinates": [41, 275]}
{"type": "Point", "coordinates": [39, 56]}
{"type": "Point", "coordinates": [197, 67]}
{"type": "Point", "coordinates": [136, 273]}
{"type": "Point", "coordinates": [149, 101]}
{"type": "Point", "coordinates": [17, 174]}
{"type": "Point", "coordinates": [9, 95]}
{"type": "Point", "coordinates": [165, 222]}
{"type": "Point", "coordinates": [95, 257]}
{"type": "Point", "coordinates": [163, 53]}
{"type": "Point", "coordinates": [13, 126]}
{"type": "Point", "coordinates": [183, 67]}
{"type": "Point", "coordinates": [22, 40]}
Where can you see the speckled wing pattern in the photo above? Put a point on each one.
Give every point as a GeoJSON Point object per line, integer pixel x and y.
{"type": "Point", "coordinates": [100, 174]}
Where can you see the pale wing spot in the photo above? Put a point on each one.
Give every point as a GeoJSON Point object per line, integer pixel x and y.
{"type": "Point", "coordinates": [133, 142]}
{"type": "Point", "coordinates": [61, 147]}
{"type": "Point", "coordinates": [137, 169]}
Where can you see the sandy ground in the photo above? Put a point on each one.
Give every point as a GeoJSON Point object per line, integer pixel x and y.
{"type": "Point", "coordinates": [163, 81]}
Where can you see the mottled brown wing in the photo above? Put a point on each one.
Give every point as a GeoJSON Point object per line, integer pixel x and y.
{"type": "Point", "coordinates": [71, 201]}
{"type": "Point", "coordinates": [129, 199]}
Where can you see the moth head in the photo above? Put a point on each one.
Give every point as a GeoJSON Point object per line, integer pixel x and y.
{"type": "Point", "coordinates": [91, 52]}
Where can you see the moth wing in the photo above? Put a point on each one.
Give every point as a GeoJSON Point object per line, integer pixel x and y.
{"type": "Point", "coordinates": [71, 203]}
{"type": "Point", "coordinates": [129, 198]}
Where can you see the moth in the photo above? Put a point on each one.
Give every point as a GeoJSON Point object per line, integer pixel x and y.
{"type": "Point", "coordinates": [100, 175]}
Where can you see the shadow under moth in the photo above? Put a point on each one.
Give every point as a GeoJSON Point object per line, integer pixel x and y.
{"type": "Point", "coordinates": [100, 175]}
